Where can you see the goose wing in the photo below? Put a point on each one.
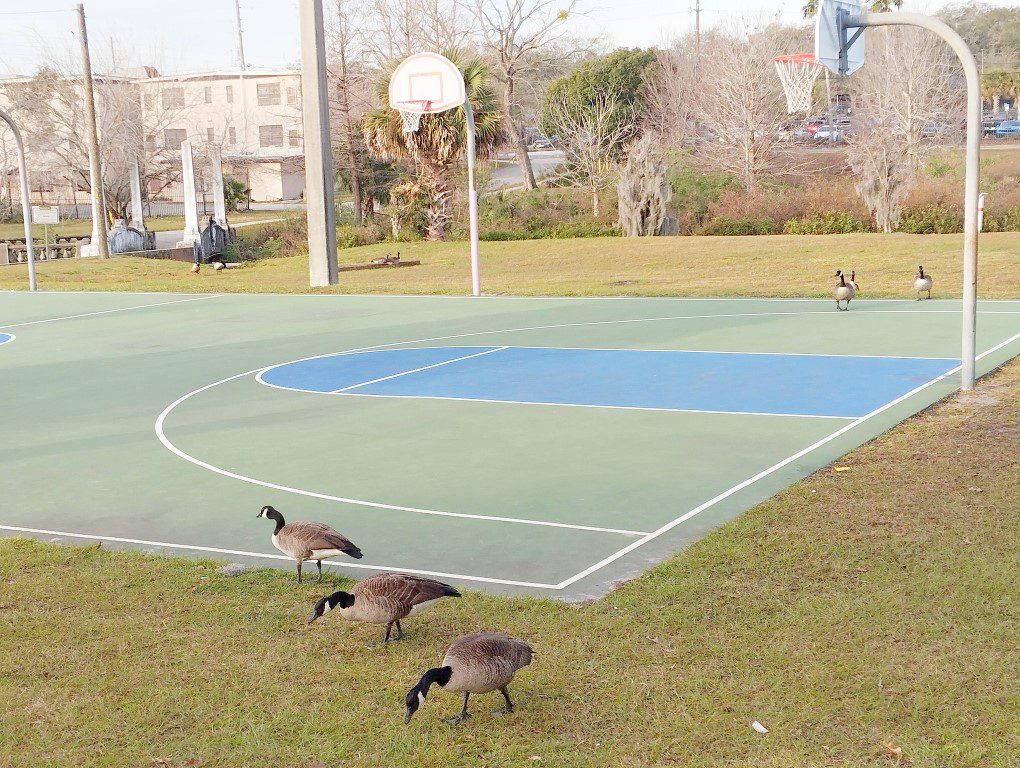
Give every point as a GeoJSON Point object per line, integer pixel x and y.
{"type": "Point", "coordinates": [482, 647]}
{"type": "Point", "coordinates": [402, 588]}
{"type": "Point", "coordinates": [317, 536]}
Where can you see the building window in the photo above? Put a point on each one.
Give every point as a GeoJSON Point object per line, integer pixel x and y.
{"type": "Point", "coordinates": [230, 94]}
{"type": "Point", "coordinates": [270, 135]}
{"type": "Point", "coordinates": [292, 96]}
{"type": "Point", "coordinates": [174, 137]}
{"type": "Point", "coordinates": [268, 94]}
{"type": "Point", "coordinates": [232, 135]}
{"type": "Point", "coordinates": [173, 98]}
{"type": "Point", "coordinates": [210, 135]}
{"type": "Point", "coordinates": [208, 94]}
{"type": "Point", "coordinates": [294, 138]}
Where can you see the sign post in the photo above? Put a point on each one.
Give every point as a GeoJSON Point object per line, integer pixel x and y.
{"type": "Point", "coordinates": [46, 215]}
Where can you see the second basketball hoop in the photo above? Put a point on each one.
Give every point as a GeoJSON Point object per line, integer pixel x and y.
{"type": "Point", "coordinates": [424, 84]}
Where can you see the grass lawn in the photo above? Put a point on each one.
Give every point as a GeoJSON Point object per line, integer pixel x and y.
{"type": "Point", "coordinates": [865, 616]}
{"type": "Point", "coordinates": [154, 224]}
{"type": "Point", "coordinates": [781, 265]}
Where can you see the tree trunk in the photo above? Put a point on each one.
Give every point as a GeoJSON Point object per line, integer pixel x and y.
{"type": "Point", "coordinates": [520, 145]}
{"type": "Point", "coordinates": [595, 203]}
{"type": "Point", "coordinates": [439, 206]}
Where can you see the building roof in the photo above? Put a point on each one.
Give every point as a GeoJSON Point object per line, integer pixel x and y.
{"type": "Point", "coordinates": [226, 74]}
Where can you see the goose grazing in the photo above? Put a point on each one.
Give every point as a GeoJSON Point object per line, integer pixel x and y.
{"type": "Point", "coordinates": [475, 663]}
{"type": "Point", "coordinates": [385, 598]}
{"type": "Point", "coordinates": [217, 263]}
{"type": "Point", "coordinates": [922, 282]}
{"type": "Point", "coordinates": [843, 291]}
{"type": "Point", "coordinates": [195, 268]}
{"type": "Point", "coordinates": [305, 540]}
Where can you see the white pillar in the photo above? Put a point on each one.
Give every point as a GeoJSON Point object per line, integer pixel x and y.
{"type": "Point", "coordinates": [219, 199]}
{"type": "Point", "coordinates": [322, 266]}
{"type": "Point", "coordinates": [137, 214]}
{"type": "Point", "coordinates": [191, 232]}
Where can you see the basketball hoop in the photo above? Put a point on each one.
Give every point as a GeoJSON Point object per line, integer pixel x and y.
{"type": "Point", "coordinates": [797, 73]}
{"type": "Point", "coordinates": [411, 116]}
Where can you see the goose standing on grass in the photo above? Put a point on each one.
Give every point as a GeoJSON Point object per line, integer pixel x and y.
{"type": "Point", "coordinates": [922, 282]}
{"type": "Point", "coordinates": [475, 663]}
{"type": "Point", "coordinates": [843, 291]}
{"type": "Point", "coordinates": [305, 540]}
{"type": "Point", "coordinates": [385, 598]}
{"type": "Point", "coordinates": [217, 263]}
{"type": "Point", "coordinates": [195, 268]}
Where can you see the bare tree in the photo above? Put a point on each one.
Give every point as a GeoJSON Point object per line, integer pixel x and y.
{"type": "Point", "coordinates": [394, 29]}
{"type": "Point", "coordinates": [520, 35]}
{"type": "Point", "coordinates": [670, 96]}
{"type": "Point", "coordinates": [592, 139]}
{"type": "Point", "coordinates": [740, 104]}
{"type": "Point", "coordinates": [349, 86]}
{"type": "Point", "coordinates": [909, 83]}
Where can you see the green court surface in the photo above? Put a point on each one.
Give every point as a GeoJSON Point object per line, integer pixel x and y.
{"type": "Point", "coordinates": [550, 446]}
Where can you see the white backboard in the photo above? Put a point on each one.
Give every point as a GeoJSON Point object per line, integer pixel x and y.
{"type": "Point", "coordinates": [45, 214]}
{"type": "Point", "coordinates": [827, 38]}
{"type": "Point", "coordinates": [426, 83]}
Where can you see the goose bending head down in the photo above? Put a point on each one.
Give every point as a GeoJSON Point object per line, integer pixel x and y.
{"type": "Point", "coordinates": [306, 540]}
{"type": "Point", "coordinates": [475, 663]}
{"type": "Point", "coordinates": [385, 598]}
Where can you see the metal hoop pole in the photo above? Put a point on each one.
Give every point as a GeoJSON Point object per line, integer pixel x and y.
{"type": "Point", "coordinates": [469, 119]}
{"type": "Point", "coordinates": [970, 194]}
{"type": "Point", "coordinates": [26, 204]}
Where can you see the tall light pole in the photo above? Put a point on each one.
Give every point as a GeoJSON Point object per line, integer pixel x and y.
{"type": "Point", "coordinates": [99, 243]}
{"type": "Point", "coordinates": [240, 35]}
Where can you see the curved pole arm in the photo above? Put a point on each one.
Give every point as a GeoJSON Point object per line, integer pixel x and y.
{"type": "Point", "coordinates": [970, 194]}
{"type": "Point", "coordinates": [26, 203]}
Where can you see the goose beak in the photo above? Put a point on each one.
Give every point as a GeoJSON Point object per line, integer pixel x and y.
{"type": "Point", "coordinates": [407, 715]}
{"type": "Point", "coordinates": [319, 609]}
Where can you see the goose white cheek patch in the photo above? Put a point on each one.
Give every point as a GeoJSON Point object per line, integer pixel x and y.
{"type": "Point", "coordinates": [421, 698]}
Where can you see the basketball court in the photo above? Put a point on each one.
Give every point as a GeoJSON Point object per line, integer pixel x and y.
{"type": "Point", "coordinates": [548, 446]}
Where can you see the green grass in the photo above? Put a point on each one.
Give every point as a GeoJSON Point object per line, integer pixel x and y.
{"type": "Point", "coordinates": [861, 607]}
{"type": "Point", "coordinates": [153, 224]}
{"type": "Point", "coordinates": [778, 265]}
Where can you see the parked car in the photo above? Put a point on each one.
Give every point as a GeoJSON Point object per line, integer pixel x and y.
{"type": "Point", "coordinates": [933, 128]}
{"type": "Point", "coordinates": [828, 134]}
{"type": "Point", "coordinates": [1007, 128]}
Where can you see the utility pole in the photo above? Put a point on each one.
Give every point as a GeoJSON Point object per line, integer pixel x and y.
{"type": "Point", "coordinates": [697, 30]}
{"type": "Point", "coordinates": [240, 35]}
{"type": "Point", "coordinates": [100, 246]}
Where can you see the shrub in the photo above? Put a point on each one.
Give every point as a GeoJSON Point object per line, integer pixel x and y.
{"type": "Point", "coordinates": [744, 225]}
{"type": "Point", "coordinates": [1003, 221]}
{"type": "Point", "coordinates": [561, 231]}
{"type": "Point", "coordinates": [931, 219]}
{"type": "Point", "coordinates": [827, 223]}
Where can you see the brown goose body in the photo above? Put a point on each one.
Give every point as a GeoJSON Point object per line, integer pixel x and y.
{"type": "Point", "coordinates": [485, 661]}
{"type": "Point", "coordinates": [306, 540]}
{"type": "Point", "coordinates": [475, 663]}
{"type": "Point", "coordinates": [385, 598]}
{"type": "Point", "coordinates": [843, 291]}
{"type": "Point", "coordinates": [922, 283]}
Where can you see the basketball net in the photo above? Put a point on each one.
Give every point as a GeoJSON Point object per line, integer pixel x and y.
{"type": "Point", "coordinates": [412, 119]}
{"type": "Point", "coordinates": [797, 73]}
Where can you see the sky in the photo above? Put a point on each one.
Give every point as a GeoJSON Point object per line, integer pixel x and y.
{"type": "Point", "coordinates": [199, 35]}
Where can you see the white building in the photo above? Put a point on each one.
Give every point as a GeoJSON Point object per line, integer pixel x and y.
{"type": "Point", "coordinates": [254, 116]}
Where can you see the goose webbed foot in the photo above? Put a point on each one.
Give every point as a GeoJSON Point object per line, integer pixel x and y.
{"type": "Point", "coordinates": [458, 718]}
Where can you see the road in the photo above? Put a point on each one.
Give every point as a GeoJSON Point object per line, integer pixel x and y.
{"type": "Point", "coordinates": [170, 238]}
{"type": "Point", "coordinates": [508, 174]}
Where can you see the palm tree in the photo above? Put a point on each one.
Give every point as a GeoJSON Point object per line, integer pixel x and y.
{"type": "Point", "coordinates": [435, 148]}
{"type": "Point", "coordinates": [811, 6]}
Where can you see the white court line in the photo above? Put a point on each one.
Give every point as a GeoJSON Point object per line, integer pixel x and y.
{"type": "Point", "coordinates": [161, 435]}
{"type": "Point", "coordinates": [110, 311]}
{"type": "Point", "coordinates": [10, 337]}
{"type": "Point", "coordinates": [219, 551]}
{"type": "Point", "coordinates": [764, 473]}
{"type": "Point", "coordinates": [503, 297]}
{"type": "Point", "coordinates": [415, 370]}
{"type": "Point", "coordinates": [575, 405]}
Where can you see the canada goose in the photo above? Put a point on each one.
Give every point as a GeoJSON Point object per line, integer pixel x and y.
{"type": "Point", "coordinates": [305, 540]}
{"type": "Point", "coordinates": [385, 598]}
{"type": "Point", "coordinates": [844, 291]}
{"type": "Point", "coordinates": [475, 663]}
{"type": "Point", "coordinates": [195, 268]}
{"type": "Point", "coordinates": [853, 282]}
{"type": "Point", "coordinates": [922, 282]}
{"type": "Point", "coordinates": [217, 263]}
